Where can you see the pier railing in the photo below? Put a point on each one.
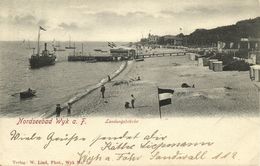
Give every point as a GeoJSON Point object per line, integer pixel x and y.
{"type": "Point", "coordinates": [150, 55]}
{"type": "Point", "coordinates": [111, 58]}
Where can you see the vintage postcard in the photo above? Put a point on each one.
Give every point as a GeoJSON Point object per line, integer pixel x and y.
{"type": "Point", "coordinates": [129, 82]}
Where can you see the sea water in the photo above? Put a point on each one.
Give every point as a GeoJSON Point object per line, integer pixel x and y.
{"type": "Point", "coordinates": [54, 84]}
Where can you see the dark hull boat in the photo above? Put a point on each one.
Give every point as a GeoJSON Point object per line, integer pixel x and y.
{"type": "Point", "coordinates": [46, 59]}
{"type": "Point", "coordinates": [59, 49]}
{"type": "Point", "coordinates": [40, 61]}
{"type": "Point", "coordinates": [27, 94]}
{"type": "Point", "coordinates": [70, 47]}
{"type": "Point", "coordinates": [91, 60]}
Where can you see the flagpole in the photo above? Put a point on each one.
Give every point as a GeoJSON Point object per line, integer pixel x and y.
{"type": "Point", "coordinates": [159, 102]}
{"type": "Point", "coordinates": [38, 44]}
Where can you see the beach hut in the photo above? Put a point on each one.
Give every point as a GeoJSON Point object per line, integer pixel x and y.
{"type": "Point", "coordinates": [192, 57]}
{"type": "Point", "coordinates": [211, 63]}
{"type": "Point", "coordinates": [205, 62]}
{"type": "Point", "coordinates": [257, 73]}
{"type": "Point", "coordinates": [254, 73]}
{"type": "Point", "coordinates": [200, 61]}
{"type": "Point", "coordinates": [197, 56]}
{"type": "Point", "coordinates": [217, 66]}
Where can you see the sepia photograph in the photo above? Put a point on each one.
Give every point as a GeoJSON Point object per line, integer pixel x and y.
{"type": "Point", "coordinates": [129, 82]}
{"type": "Point", "coordinates": [117, 58]}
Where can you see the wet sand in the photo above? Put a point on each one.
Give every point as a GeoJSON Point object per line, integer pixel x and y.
{"type": "Point", "coordinates": [227, 93]}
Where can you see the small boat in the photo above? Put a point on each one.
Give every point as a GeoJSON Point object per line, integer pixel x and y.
{"type": "Point", "coordinates": [59, 49]}
{"type": "Point", "coordinates": [91, 60]}
{"type": "Point", "coordinates": [97, 50]}
{"type": "Point", "coordinates": [70, 47]}
{"type": "Point", "coordinates": [29, 46]}
{"type": "Point", "coordinates": [27, 94]}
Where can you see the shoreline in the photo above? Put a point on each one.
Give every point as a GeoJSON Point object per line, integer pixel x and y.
{"type": "Point", "coordinates": [87, 91]}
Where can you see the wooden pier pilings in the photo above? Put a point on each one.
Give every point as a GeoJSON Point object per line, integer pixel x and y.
{"type": "Point", "coordinates": [90, 58]}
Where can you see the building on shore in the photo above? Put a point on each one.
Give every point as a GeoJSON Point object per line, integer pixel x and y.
{"type": "Point", "coordinates": [245, 44]}
{"type": "Point", "coordinates": [178, 40]}
{"type": "Point", "coordinates": [171, 40]}
{"type": "Point", "coordinates": [122, 53]}
{"type": "Point", "coordinates": [152, 39]}
{"type": "Point", "coordinates": [250, 44]}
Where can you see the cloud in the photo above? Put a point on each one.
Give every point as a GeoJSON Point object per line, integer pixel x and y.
{"type": "Point", "coordinates": [42, 22]}
{"type": "Point", "coordinates": [68, 26]}
{"type": "Point", "coordinates": [220, 8]}
{"type": "Point", "coordinates": [24, 20]}
{"type": "Point", "coordinates": [130, 19]}
{"type": "Point", "coordinates": [27, 20]}
{"type": "Point", "coordinates": [191, 11]}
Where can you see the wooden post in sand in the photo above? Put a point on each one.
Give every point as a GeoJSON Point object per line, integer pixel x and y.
{"type": "Point", "coordinates": [159, 102]}
{"type": "Point", "coordinates": [257, 85]}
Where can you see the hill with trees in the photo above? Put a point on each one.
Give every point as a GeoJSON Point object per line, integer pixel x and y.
{"type": "Point", "coordinates": [230, 33]}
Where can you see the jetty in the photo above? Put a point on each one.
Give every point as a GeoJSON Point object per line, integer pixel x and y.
{"type": "Point", "coordinates": [90, 58]}
{"type": "Point", "coordinates": [151, 55]}
{"type": "Point", "coordinates": [118, 57]}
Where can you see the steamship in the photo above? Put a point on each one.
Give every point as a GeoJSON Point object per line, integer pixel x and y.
{"type": "Point", "coordinates": [45, 58]}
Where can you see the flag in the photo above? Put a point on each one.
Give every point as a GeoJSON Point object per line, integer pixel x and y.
{"type": "Point", "coordinates": [41, 28]}
{"type": "Point", "coordinates": [165, 96]}
{"type": "Point", "coordinates": [110, 44]}
{"type": "Point", "coordinates": [113, 44]}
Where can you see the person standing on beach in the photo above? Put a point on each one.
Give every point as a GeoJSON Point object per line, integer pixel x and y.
{"type": "Point", "coordinates": [58, 110]}
{"type": "Point", "coordinates": [132, 101]}
{"type": "Point", "coordinates": [69, 109]}
{"type": "Point", "coordinates": [102, 90]}
{"type": "Point", "coordinates": [108, 78]}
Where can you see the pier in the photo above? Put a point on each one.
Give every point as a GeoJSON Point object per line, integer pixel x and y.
{"type": "Point", "coordinates": [116, 58]}
{"type": "Point", "coordinates": [90, 58]}
{"type": "Point", "coordinates": [151, 55]}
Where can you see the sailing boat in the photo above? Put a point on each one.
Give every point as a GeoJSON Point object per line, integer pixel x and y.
{"type": "Point", "coordinates": [46, 58]}
{"type": "Point", "coordinates": [88, 59]}
{"type": "Point", "coordinates": [70, 47]}
{"type": "Point", "coordinates": [57, 47]}
{"type": "Point", "coordinates": [29, 46]}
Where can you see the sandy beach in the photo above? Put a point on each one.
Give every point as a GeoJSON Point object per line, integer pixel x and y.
{"type": "Point", "coordinates": [227, 93]}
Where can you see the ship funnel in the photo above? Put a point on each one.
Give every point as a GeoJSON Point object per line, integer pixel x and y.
{"type": "Point", "coordinates": [45, 46]}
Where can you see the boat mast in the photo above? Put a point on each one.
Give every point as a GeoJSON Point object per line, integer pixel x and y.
{"type": "Point", "coordinates": [74, 49]}
{"type": "Point", "coordinates": [29, 47]}
{"type": "Point", "coordinates": [82, 49]}
{"type": "Point", "coordinates": [38, 44]}
{"type": "Point", "coordinates": [69, 42]}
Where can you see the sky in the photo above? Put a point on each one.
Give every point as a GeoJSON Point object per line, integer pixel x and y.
{"type": "Point", "coordinates": [117, 20]}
